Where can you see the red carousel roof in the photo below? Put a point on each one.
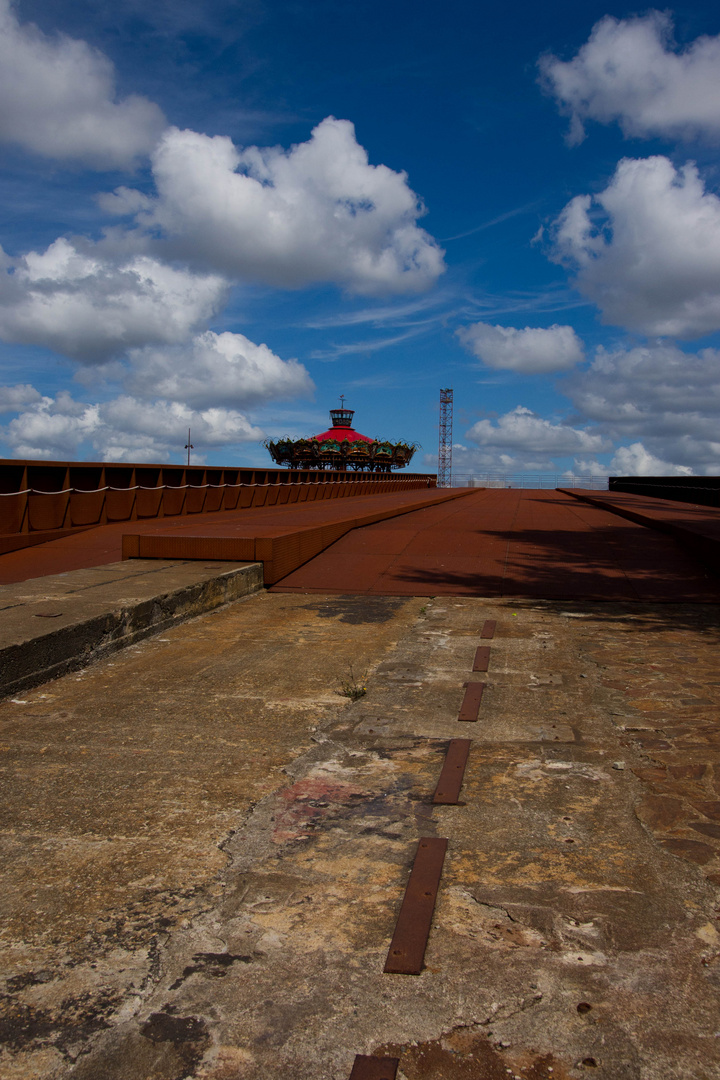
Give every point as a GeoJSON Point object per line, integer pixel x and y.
{"type": "Point", "coordinates": [342, 428]}
{"type": "Point", "coordinates": [339, 433]}
{"type": "Point", "coordinates": [341, 447]}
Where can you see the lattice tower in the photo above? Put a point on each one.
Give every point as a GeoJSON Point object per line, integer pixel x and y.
{"type": "Point", "coordinates": [445, 444]}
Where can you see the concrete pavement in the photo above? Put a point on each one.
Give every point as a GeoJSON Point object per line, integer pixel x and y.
{"type": "Point", "coordinates": [206, 845]}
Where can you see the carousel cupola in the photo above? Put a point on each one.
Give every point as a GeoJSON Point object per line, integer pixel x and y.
{"type": "Point", "coordinates": [342, 418]}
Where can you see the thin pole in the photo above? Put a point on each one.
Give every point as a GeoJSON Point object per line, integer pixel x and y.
{"type": "Point", "coordinates": [189, 446]}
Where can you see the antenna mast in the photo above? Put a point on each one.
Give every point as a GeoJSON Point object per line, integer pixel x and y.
{"type": "Point", "coordinates": [444, 476]}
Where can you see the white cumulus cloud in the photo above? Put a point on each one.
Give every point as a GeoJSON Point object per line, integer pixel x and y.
{"type": "Point", "coordinates": [630, 72]}
{"type": "Point", "coordinates": [16, 397]}
{"type": "Point", "coordinates": [123, 201]}
{"type": "Point", "coordinates": [318, 212]}
{"type": "Point", "coordinates": [57, 98]}
{"type": "Point", "coordinates": [533, 350]}
{"type": "Point", "coordinates": [123, 429]}
{"type": "Point", "coordinates": [88, 307]}
{"type": "Point", "coordinates": [583, 467]}
{"type": "Point", "coordinates": [635, 460]}
{"type": "Point", "coordinates": [657, 395]}
{"type": "Point", "coordinates": [647, 249]}
{"type": "Point", "coordinates": [473, 462]}
{"type": "Point", "coordinates": [523, 430]}
{"type": "Point", "coordinates": [168, 421]}
{"type": "Point", "coordinates": [52, 427]}
{"type": "Point", "coordinates": [206, 384]}
{"type": "Point", "coordinates": [655, 388]}
{"type": "Point", "coordinates": [214, 369]}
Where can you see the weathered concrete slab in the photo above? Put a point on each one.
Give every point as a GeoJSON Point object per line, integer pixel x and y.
{"type": "Point", "coordinates": [206, 847]}
{"type": "Point", "coordinates": [51, 625]}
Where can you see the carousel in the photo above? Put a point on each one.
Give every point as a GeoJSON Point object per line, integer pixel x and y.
{"type": "Point", "coordinates": [341, 448]}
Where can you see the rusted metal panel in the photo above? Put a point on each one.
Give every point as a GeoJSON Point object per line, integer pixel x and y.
{"type": "Point", "coordinates": [482, 658]}
{"type": "Point", "coordinates": [131, 547]}
{"type": "Point", "coordinates": [471, 702]}
{"type": "Point", "coordinates": [453, 772]}
{"type": "Point", "coordinates": [153, 546]}
{"type": "Point", "coordinates": [102, 544]}
{"type": "Point", "coordinates": [462, 549]}
{"type": "Point", "coordinates": [488, 630]}
{"type": "Point", "coordinates": [48, 512]}
{"type": "Point", "coordinates": [407, 948]}
{"type": "Point", "coordinates": [374, 1068]}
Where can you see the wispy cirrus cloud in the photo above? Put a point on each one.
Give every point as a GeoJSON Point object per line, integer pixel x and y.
{"type": "Point", "coordinates": [516, 212]}
{"type": "Point", "coordinates": [397, 314]}
{"type": "Point", "coordinates": [548, 300]}
{"type": "Point", "coordinates": [370, 345]}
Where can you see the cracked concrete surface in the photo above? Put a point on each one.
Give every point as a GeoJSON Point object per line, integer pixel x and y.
{"type": "Point", "coordinates": [210, 847]}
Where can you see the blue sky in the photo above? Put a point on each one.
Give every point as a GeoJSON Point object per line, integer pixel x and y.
{"type": "Point", "coordinates": [223, 216]}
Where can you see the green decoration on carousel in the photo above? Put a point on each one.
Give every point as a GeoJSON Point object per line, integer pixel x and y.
{"type": "Point", "coordinates": [341, 448]}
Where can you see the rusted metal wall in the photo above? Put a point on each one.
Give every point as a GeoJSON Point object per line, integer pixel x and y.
{"type": "Point", "coordinates": [39, 498]}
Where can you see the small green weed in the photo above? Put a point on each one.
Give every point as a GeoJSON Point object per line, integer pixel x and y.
{"type": "Point", "coordinates": [353, 687]}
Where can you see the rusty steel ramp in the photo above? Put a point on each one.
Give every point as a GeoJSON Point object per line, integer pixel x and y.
{"type": "Point", "coordinates": [281, 536]}
{"type": "Point", "coordinates": [283, 541]}
{"type": "Point", "coordinates": [694, 528]}
{"type": "Point", "coordinates": [525, 543]}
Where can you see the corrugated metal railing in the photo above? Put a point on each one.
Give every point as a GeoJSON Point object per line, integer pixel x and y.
{"type": "Point", "coordinates": [58, 497]}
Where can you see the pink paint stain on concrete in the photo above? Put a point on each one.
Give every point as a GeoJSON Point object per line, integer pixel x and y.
{"type": "Point", "coordinates": [305, 801]}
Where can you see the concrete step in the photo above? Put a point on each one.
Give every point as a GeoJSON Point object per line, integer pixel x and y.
{"type": "Point", "coordinates": [55, 624]}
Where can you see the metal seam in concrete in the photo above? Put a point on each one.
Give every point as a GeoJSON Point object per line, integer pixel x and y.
{"type": "Point", "coordinates": [450, 781]}
{"type": "Point", "coordinates": [412, 929]}
{"type": "Point", "coordinates": [367, 1067]}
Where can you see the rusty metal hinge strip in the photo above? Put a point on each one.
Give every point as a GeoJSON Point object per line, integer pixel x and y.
{"type": "Point", "coordinates": [452, 773]}
{"type": "Point", "coordinates": [412, 929]}
{"type": "Point", "coordinates": [482, 658]}
{"type": "Point", "coordinates": [471, 702]}
{"type": "Point", "coordinates": [367, 1067]}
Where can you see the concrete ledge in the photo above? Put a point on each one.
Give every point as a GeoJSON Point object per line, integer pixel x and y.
{"type": "Point", "coordinates": [56, 624]}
